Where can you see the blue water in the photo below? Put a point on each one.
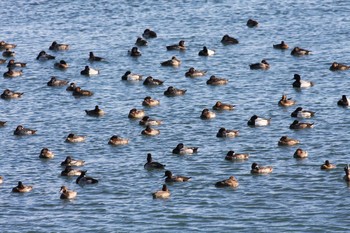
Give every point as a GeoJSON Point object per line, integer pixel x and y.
{"type": "Point", "coordinates": [297, 196]}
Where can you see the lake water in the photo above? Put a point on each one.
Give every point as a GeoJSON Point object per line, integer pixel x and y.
{"type": "Point", "coordinates": [297, 196]}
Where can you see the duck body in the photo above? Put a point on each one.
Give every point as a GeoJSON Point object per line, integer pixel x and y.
{"type": "Point", "coordinates": [327, 165]}
{"type": "Point", "coordinates": [69, 161]}
{"type": "Point", "coordinates": [62, 65]}
{"type": "Point", "coordinates": [282, 46]}
{"type": "Point", "coordinates": [228, 40]}
{"type": "Point", "coordinates": [223, 106]}
{"type": "Point", "coordinates": [93, 58]}
{"type": "Point", "coordinates": [57, 47]}
{"type": "Point", "coordinates": [162, 194]}
{"type": "Point", "coordinates": [116, 140]}
{"type": "Point", "coordinates": [148, 34]}
{"type": "Point", "coordinates": [78, 92]}
{"type": "Point", "coordinates": [54, 82]}
{"type": "Point", "coordinates": [170, 178]}
{"type": "Point", "coordinates": [136, 113]}
{"type": "Point", "coordinates": [69, 171]}
{"type": "Point", "coordinates": [215, 81]}
{"type": "Point", "coordinates": [45, 153]}
{"type": "Point", "coordinates": [232, 156]}
{"type": "Point", "coordinates": [301, 125]}
{"type": "Point", "coordinates": [152, 164]}
{"type": "Point", "coordinates": [252, 23]}
{"type": "Point", "coordinates": [141, 42]}
{"type": "Point", "coordinates": [83, 180]}
{"type": "Point", "coordinates": [150, 131]}
{"type": "Point", "coordinates": [230, 182]}
{"type": "Point", "coordinates": [20, 188]}
{"type": "Point", "coordinates": [134, 52]}
{"type": "Point", "coordinates": [183, 150]}
{"type": "Point", "coordinates": [43, 56]}
{"type": "Point", "coordinates": [344, 101]}
{"type": "Point", "coordinates": [206, 52]}
{"type": "Point", "coordinates": [263, 65]}
{"type": "Point", "coordinates": [206, 114]}
{"type": "Point", "coordinates": [73, 138]}
{"type": "Point", "coordinates": [226, 133]}
{"type": "Point", "coordinates": [149, 102]}
{"type": "Point", "coordinates": [67, 194]}
{"type": "Point", "coordinates": [150, 81]}
{"type": "Point", "coordinates": [256, 169]}
{"type": "Point", "coordinates": [10, 73]}
{"type": "Point", "coordinates": [12, 64]}
{"type": "Point", "coordinates": [300, 154]}
{"type": "Point", "coordinates": [146, 120]}
{"type": "Point", "coordinates": [88, 71]}
{"type": "Point", "coordinates": [286, 141]}
{"type": "Point", "coordinates": [21, 131]}
{"type": "Point", "coordinates": [256, 121]}
{"type": "Point", "coordinates": [284, 102]}
{"type": "Point", "coordinates": [172, 91]}
{"type": "Point", "coordinates": [299, 83]}
{"type": "Point", "coordinates": [338, 66]}
{"type": "Point", "coordinates": [301, 113]}
{"type": "Point", "coordinates": [96, 112]}
{"type": "Point", "coordinates": [8, 94]}
{"type": "Point", "coordinates": [193, 73]}
{"type": "Point", "coordinates": [180, 46]}
{"type": "Point", "coordinates": [172, 62]}
{"type": "Point", "coordinates": [128, 76]}
{"type": "Point", "coordinates": [300, 52]}
{"type": "Point", "coordinates": [8, 53]}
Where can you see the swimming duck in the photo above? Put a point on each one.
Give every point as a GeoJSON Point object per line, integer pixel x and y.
{"type": "Point", "coordinates": [72, 138]}
{"type": "Point", "coordinates": [263, 65]}
{"type": "Point", "coordinates": [286, 141]}
{"type": "Point", "coordinates": [286, 102]}
{"type": "Point", "coordinates": [256, 169]}
{"type": "Point", "coordinates": [232, 156]}
{"type": "Point", "coordinates": [299, 112]}
{"type": "Point", "coordinates": [92, 57]}
{"type": "Point", "coordinates": [71, 87]}
{"type": "Point", "coordinates": [170, 178]}
{"type": "Point", "coordinates": [67, 194]}
{"type": "Point", "coordinates": [54, 82]}
{"type": "Point", "coordinates": [298, 83]}
{"type": "Point", "coordinates": [300, 52]}
{"type": "Point", "coordinates": [134, 52]}
{"type": "Point", "coordinates": [162, 194]}
{"type": "Point", "coordinates": [83, 180]}
{"type": "Point", "coordinates": [151, 164]}
{"type": "Point", "coordinates": [183, 150]}
{"type": "Point", "coordinates": [20, 188]}
{"type": "Point", "coordinates": [230, 182]}
{"type": "Point", "coordinates": [135, 114]}
{"type": "Point", "coordinates": [206, 52]}
{"type": "Point", "coordinates": [347, 173]}
{"type": "Point", "coordinates": [69, 161]}
{"type": "Point", "coordinates": [282, 45]}
{"type": "Point", "coordinates": [258, 121]}
{"type": "Point", "coordinates": [227, 40]}
{"type": "Point", "coordinates": [8, 53]}
{"type": "Point", "coordinates": [300, 154]}
{"type": "Point", "coordinates": [172, 91]}
{"type": "Point", "coordinates": [252, 23]}
{"type": "Point", "coordinates": [43, 56]}
{"type": "Point", "coordinates": [192, 73]}
{"type": "Point", "coordinates": [45, 153]}
{"type": "Point", "coordinates": [141, 42]}
{"type": "Point", "coordinates": [2, 123]}
{"type": "Point", "coordinates": [21, 131]}
{"type": "Point", "coordinates": [10, 73]}
{"type": "Point", "coordinates": [301, 125]}
{"type": "Point", "coordinates": [172, 62]}
{"type": "Point", "coordinates": [61, 65]}
{"type": "Point", "coordinates": [69, 171]}
{"type": "Point", "coordinates": [206, 114]}
{"type": "Point", "coordinates": [150, 81]}
{"type": "Point", "coordinates": [13, 64]}
{"type": "Point", "coordinates": [95, 112]}
{"type": "Point", "coordinates": [150, 131]}
{"type": "Point", "coordinates": [179, 46]}
{"type": "Point", "coordinates": [79, 92]}
{"type": "Point", "coordinates": [89, 71]}
{"type": "Point", "coordinates": [216, 81]}
{"type": "Point", "coordinates": [2, 61]}
{"type": "Point", "coordinates": [327, 165]}
{"type": "Point", "coordinates": [146, 120]}
{"type": "Point", "coordinates": [226, 133]}
{"type": "Point", "coordinates": [128, 76]}
{"type": "Point", "coordinates": [5, 45]}
{"type": "Point", "coordinates": [344, 101]}
{"type": "Point", "coordinates": [55, 46]}
{"type": "Point", "coordinates": [8, 94]}
{"type": "Point", "coordinates": [338, 66]}
{"type": "Point", "coordinates": [116, 140]}
{"type": "Point", "coordinates": [147, 34]}
{"type": "Point", "coordinates": [149, 102]}
{"type": "Point", "coordinates": [223, 106]}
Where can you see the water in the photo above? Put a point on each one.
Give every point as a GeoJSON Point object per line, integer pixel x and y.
{"type": "Point", "coordinates": [297, 196]}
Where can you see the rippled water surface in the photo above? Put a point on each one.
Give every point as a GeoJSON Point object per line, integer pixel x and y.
{"type": "Point", "coordinates": [297, 196]}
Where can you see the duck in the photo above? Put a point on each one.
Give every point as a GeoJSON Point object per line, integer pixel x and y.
{"type": "Point", "coordinates": [281, 46]}
{"type": "Point", "coordinates": [150, 131]}
{"type": "Point", "coordinates": [71, 87]}
{"type": "Point", "coordinates": [136, 114]}
{"type": "Point", "coordinates": [213, 80]}
{"type": "Point", "coordinates": [162, 194]}
{"type": "Point", "coordinates": [43, 56]}
{"type": "Point", "coordinates": [172, 91]}
{"type": "Point", "coordinates": [141, 42]}
{"type": "Point", "coordinates": [232, 156]}
{"type": "Point", "coordinates": [8, 94]}
{"type": "Point", "coordinates": [128, 76]}
{"type": "Point", "coordinates": [223, 106]}
{"type": "Point", "coordinates": [79, 92]}
{"type": "Point", "coordinates": [21, 188]}
{"type": "Point", "coordinates": [228, 40]}
{"type": "Point", "coordinates": [62, 65]}
{"type": "Point", "coordinates": [92, 57]}
{"type": "Point", "coordinates": [146, 120]}
{"type": "Point", "coordinates": [174, 61]}
{"type": "Point", "coordinates": [256, 169]}
{"type": "Point", "coordinates": [298, 83]}
{"type": "Point", "coordinates": [338, 66]}
{"type": "Point", "coordinates": [2, 123]}
{"type": "Point", "coordinates": [13, 64]}
{"type": "Point", "coordinates": [150, 81]}
{"type": "Point", "coordinates": [347, 173]}
{"type": "Point", "coordinates": [301, 113]}
{"type": "Point", "coordinates": [66, 193]}
{"type": "Point", "coordinates": [193, 73]}
{"type": "Point", "coordinates": [69, 171]}
{"type": "Point", "coordinates": [256, 121]}
{"type": "Point", "coordinates": [2, 61]}
{"type": "Point", "coordinates": [344, 101]}
{"type": "Point", "coordinates": [152, 164]}
{"type": "Point", "coordinates": [180, 46]}
{"type": "Point", "coordinates": [21, 131]}
{"type": "Point", "coordinates": [10, 73]}
{"type": "Point", "coordinates": [170, 178]}
{"type": "Point", "coordinates": [206, 114]}
{"type": "Point", "coordinates": [148, 33]}
{"type": "Point", "coordinates": [5, 45]}
{"type": "Point", "coordinates": [285, 102]}
{"type": "Point", "coordinates": [83, 180]}
{"type": "Point", "coordinates": [56, 47]}
{"type": "Point", "coordinates": [69, 161]}
{"type": "Point", "coordinates": [134, 52]}
{"type": "Point", "coordinates": [252, 23]}
{"type": "Point", "coordinates": [327, 165]}
{"type": "Point", "coordinates": [206, 52]}
{"type": "Point", "coordinates": [230, 182]}
{"type": "Point", "coordinates": [8, 53]}
{"type": "Point", "coordinates": [89, 71]}
{"type": "Point", "coordinates": [149, 102]}
{"type": "Point", "coordinates": [287, 141]}
{"type": "Point", "coordinates": [54, 82]}
{"type": "Point", "coordinates": [73, 138]}
{"type": "Point", "coordinates": [226, 133]}
{"type": "Point", "coordinates": [300, 52]}
{"type": "Point", "coordinates": [301, 125]}
{"type": "Point", "coordinates": [95, 112]}
{"type": "Point", "coordinates": [116, 140]}
{"type": "Point", "coordinates": [263, 65]}
{"type": "Point", "coordinates": [183, 150]}
{"type": "Point", "coordinates": [300, 154]}
{"type": "Point", "coordinates": [45, 153]}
